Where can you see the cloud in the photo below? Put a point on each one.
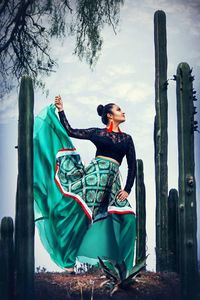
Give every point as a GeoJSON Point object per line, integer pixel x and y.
{"type": "Point", "coordinates": [119, 70]}
{"type": "Point", "coordinates": [9, 107]}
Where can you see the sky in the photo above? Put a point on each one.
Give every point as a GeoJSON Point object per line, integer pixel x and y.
{"type": "Point", "coordinates": [124, 74]}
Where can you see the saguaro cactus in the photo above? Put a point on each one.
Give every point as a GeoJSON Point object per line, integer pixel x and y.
{"type": "Point", "coordinates": [24, 221]}
{"type": "Point", "coordinates": [173, 230]}
{"type": "Point", "coordinates": [186, 182]}
{"type": "Point", "coordinates": [6, 259]}
{"type": "Point", "coordinates": [161, 140]}
{"type": "Point", "coordinates": [140, 195]}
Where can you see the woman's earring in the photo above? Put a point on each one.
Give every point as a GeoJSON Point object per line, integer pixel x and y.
{"type": "Point", "coordinates": [110, 128]}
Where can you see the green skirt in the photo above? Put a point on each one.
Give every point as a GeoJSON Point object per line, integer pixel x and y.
{"type": "Point", "coordinates": [77, 212]}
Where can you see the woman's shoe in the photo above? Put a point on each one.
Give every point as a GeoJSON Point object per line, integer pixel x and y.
{"type": "Point", "coordinates": [69, 271]}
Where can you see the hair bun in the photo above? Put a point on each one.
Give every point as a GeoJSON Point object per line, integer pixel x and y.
{"type": "Point", "coordinates": [100, 108]}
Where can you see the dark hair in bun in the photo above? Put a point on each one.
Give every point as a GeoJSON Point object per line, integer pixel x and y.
{"type": "Point", "coordinates": [100, 108]}
{"type": "Point", "coordinates": [102, 111]}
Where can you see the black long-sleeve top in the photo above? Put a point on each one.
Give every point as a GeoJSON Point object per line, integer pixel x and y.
{"type": "Point", "coordinates": [112, 144]}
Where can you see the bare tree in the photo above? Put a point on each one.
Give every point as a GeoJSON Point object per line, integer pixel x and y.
{"type": "Point", "coordinates": [28, 26]}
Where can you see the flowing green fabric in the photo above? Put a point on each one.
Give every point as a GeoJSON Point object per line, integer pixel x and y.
{"type": "Point", "coordinates": [76, 211]}
{"type": "Point", "coordinates": [49, 138]}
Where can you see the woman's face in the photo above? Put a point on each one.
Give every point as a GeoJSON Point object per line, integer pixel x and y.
{"type": "Point", "coordinates": [117, 114]}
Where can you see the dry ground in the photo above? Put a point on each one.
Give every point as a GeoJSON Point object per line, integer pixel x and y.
{"type": "Point", "coordinates": [86, 286]}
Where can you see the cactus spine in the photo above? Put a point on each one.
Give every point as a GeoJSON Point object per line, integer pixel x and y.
{"type": "Point", "coordinates": [161, 140]}
{"type": "Point", "coordinates": [186, 182]}
{"type": "Point", "coordinates": [7, 259]}
{"type": "Point", "coordinates": [24, 221]}
{"type": "Point", "coordinates": [140, 212]}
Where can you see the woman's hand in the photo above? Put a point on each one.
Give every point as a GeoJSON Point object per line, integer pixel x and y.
{"type": "Point", "coordinates": [122, 195]}
{"type": "Point", "coordinates": [58, 103]}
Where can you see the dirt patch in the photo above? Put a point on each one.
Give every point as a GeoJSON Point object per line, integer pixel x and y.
{"type": "Point", "coordinates": [149, 285]}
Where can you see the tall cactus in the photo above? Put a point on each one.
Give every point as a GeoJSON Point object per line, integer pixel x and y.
{"type": "Point", "coordinates": [7, 259]}
{"type": "Point", "coordinates": [161, 140]}
{"type": "Point", "coordinates": [173, 230]}
{"type": "Point", "coordinates": [140, 212]}
{"type": "Point", "coordinates": [186, 182]}
{"type": "Point", "coordinates": [24, 221]}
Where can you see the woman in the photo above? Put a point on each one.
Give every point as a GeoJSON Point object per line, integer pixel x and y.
{"type": "Point", "coordinates": [93, 218]}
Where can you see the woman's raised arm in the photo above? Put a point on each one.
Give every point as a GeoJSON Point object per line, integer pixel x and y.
{"type": "Point", "coordinates": [76, 133]}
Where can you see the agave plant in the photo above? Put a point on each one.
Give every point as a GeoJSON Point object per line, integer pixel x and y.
{"type": "Point", "coordinates": [118, 277]}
